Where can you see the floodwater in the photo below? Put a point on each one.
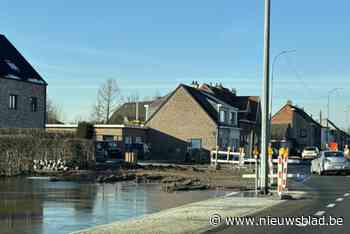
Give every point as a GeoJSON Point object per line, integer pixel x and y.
{"type": "Point", "coordinates": [37, 205]}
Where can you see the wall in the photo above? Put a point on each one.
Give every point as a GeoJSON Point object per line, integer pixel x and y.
{"type": "Point", "coordinates": [117, 133]}
{"type": "Point", "coordinates": [22, 117]}
{"type": "Point", "coordinates": [178, 120]}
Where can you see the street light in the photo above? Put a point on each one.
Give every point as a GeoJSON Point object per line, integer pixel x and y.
{"type": "Point", "coordinates": [265, 102]}
{"type": "Point", "coordinates": [272, 76]}
{"type": "Point", "coordinates": [347, 117]}
{"type": "Point", "coordinates": [328, 103]}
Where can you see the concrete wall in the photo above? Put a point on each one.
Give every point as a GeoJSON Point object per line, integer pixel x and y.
{"type": "Point", "coordinates": [180, 119]}
{"type": "Point", "coordinates": [22, 117]}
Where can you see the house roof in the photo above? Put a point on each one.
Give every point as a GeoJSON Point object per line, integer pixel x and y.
{"type": "Point", "coordinates": [128, 110]}
{"type": "Point", "coordinates": [14, 66]}
{"type": "Point", "coordinates": [206, 100]}
{"type": "Point", "coordinates": [301, 112]}
{"type": "Point", "coordinates": [247, 105]}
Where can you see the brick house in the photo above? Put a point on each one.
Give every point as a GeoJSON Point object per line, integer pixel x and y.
{"type": "Point", "coordinates": [293, 125]}
{"type": "Point", "coordinates": [22, 90]}
{"type": "Point", "coordinates": [191, 119]}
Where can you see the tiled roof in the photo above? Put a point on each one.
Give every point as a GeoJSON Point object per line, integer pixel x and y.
{"type": "Point", "coordinates": [128, 110]}
{"type": "Point", "coordinates": [240, 102]}
{"type": "Point", "coordinates": [14, 66]}
{"type": "Point", "coordinates": [304, 115]}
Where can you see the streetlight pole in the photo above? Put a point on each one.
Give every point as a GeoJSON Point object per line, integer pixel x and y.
{"type": "Point", "coordinates": [328, 103]}
{"type": "Point", "coordinates": [273, 73]}
{"type": "Point", "coordinates": [347, 117]}
{"type": "Point", "coordinates": [264, 102]}
{"type": "Point", "coordinates": [328, 107]}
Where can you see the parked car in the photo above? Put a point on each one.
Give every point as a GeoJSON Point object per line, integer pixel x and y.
{"type": "Point", "coordinates": [330, 161]}
{"type": "Point", "coordinates": [107, 150]}
{"type": "Point", "coordinates": [310, 153]}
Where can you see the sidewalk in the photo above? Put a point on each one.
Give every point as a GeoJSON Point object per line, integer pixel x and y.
{"type": "Point", "coordinates": [191, 218]}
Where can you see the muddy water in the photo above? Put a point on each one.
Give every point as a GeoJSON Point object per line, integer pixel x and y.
{"type": "Point", "coordinates": [40, 206]}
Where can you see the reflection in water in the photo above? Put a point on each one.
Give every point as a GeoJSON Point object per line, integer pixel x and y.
{"type": "Point", "coordinates": [40, 206]}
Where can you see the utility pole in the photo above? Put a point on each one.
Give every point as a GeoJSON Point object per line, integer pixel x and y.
{"type": "Point", "coordinates": [265, 103]}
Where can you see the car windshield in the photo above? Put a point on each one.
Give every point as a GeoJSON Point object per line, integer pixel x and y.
{"type": "Point", "coordinates": [310, 148]}
{"type": "Point", "coordinates": [334, 154]}
{"type": "Point", "coordinates": [112, 144]}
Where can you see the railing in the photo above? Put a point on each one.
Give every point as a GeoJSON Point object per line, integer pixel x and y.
{"type": "Point", "coordinates": [218, 156]}
{"type": "Point", "coordinates": [239, 158]}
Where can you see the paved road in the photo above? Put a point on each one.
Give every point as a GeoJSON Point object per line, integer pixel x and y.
{"type": "Point", "coordinates": [332, 191]}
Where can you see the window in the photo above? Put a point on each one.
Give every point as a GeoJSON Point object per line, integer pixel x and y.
{"type": "Point", "coordinates": [233, 118]}
{"type": "Point", "coordinates": [138, 140]}
{"type": "Point", "coordinates": [12, 65]}
{"type": "Point", "coordinates": [303, 132]}
{"type": "Point", "coordinates": [128, 140]}
{"type": "Point", "coordinates": [13, 102]}
{"type": "Point", "coordinates": [108, 137]}
{"type": "Point", "coordinates": [222, 116]}
{"type": "Point", "coordinates": [196, 143]}
{"type": "Point", "coordinates": [33, 104]}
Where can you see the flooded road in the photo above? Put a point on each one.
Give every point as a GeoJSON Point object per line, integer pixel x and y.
{"type": "Point", "coordinates": [40, 206]}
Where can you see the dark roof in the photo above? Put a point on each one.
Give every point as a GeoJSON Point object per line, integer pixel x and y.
{"type": "Point", "coordinates": [304, 115]}
{"type": "Point", "coordinates": [240, 102]}
{"type": "Point", "coordinates": [128, 110]}
{"type": "Point", "coordinates": [14, 66]}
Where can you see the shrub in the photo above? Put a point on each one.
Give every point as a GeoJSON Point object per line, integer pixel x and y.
{"type": "Point", "coordinates": [85, 130]}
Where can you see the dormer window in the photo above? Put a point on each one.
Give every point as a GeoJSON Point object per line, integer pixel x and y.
{"type": "Point", "coordinates": [12, 65]}
{"type": "Point", "coordinates": [222, 116]}
{"type": "Point", "coordinates": [233, 118]}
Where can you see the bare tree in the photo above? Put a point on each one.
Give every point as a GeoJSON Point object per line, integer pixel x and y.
{"type": "Point", "coordinates": [53, 112]}
{"type": "Point", "coordinates": [108, 98]}
{"type": "Point", "coordinates": [133, 97]}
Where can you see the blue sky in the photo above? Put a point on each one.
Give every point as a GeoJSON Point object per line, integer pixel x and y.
{"type": "Point", "coordinates": [152, 46]}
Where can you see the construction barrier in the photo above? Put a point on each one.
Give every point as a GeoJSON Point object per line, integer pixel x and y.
{"type": "Point", "coordinates": [279, 175]}
{"type": "Point", "coordinates": [282, 171]}
{"type": "Point", "coordinates": [285, 169]}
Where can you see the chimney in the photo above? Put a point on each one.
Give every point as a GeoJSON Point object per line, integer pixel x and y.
{"type": "Point", "coordinates": [289, 102]}
{"type": "Point", "coordinates": [195, 84]}
{"type": "Point", "coordinates": [321, 117]}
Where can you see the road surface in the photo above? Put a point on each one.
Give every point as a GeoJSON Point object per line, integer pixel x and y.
{"type": "Point", "coordinates": [330, 196]}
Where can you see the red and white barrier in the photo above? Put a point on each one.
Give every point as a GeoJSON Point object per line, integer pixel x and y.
{"type": "Point", "coordinates": [279, 175]}
{"type": "Point", "coordinates": [271, 169]}
{"type": "Point", "coordinates": [285, 171]}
